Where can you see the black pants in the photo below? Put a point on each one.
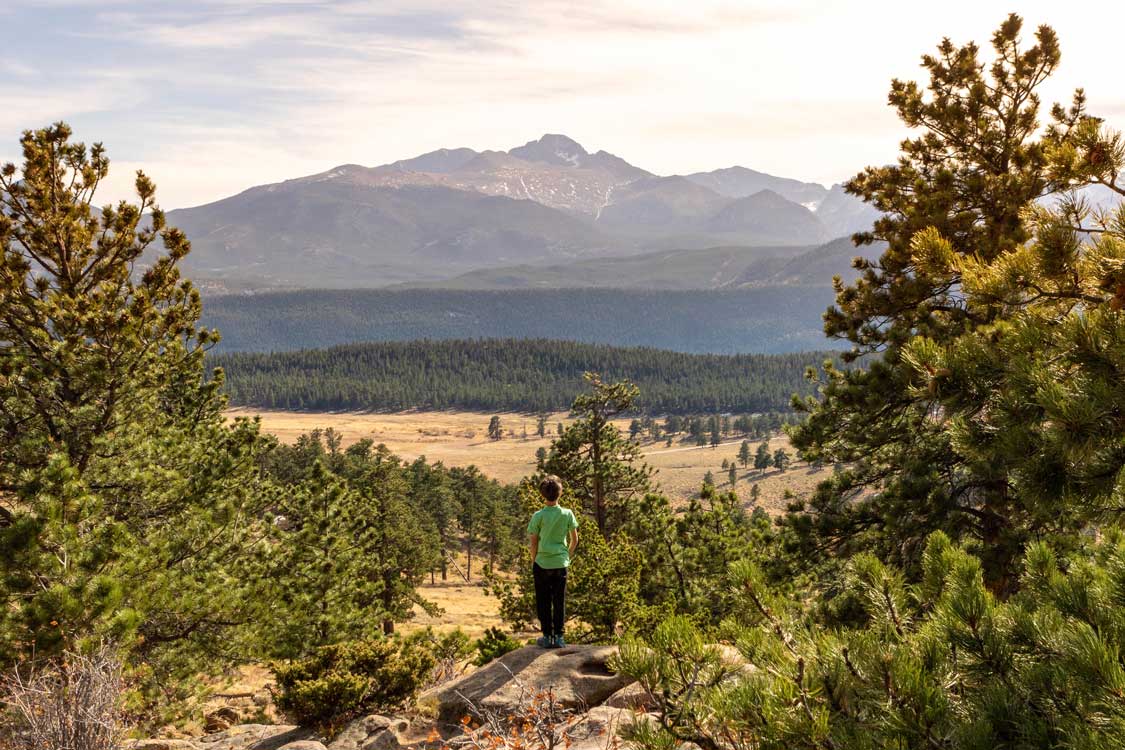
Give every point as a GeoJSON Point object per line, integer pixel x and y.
{"type": "Point", "coordinates": [550, 599]}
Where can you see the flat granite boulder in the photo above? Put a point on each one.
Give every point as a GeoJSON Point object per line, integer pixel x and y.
{"type": "Point", "coordinates": [578, 675]}
{"type": "Point", "coordinates": [370, 732]}
{"type": "Point", "coordinates": [254, 737]}
{"type": "Point", "coordinates": [633, 696]}
{"type": "Point", "coordinates": [601, 728]}
{"type": "Point", "coordinates": [160, 745]}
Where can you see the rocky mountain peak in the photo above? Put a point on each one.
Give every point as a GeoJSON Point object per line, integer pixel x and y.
{"type": "Point", "coordinates": [552, 148]}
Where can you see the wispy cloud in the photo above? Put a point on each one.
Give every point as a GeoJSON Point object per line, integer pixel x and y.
{"type": "Point", "coordinates": [213, 96]}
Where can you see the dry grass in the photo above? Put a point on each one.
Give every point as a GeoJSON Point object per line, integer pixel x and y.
{"type": "Point", "coordinates": [465, 605]}
{"type": "Point", "coordinates": [460, 439]}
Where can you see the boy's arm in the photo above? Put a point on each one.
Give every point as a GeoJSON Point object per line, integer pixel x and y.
{"type": "Point", "coordinates": [572, 541]}
{"type": "Point", "coordinates": [534, 545]}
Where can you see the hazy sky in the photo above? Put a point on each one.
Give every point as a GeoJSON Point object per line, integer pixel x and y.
{"type": "Point", "coordinates": [214, 96]}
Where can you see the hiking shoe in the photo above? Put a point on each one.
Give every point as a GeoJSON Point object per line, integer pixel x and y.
{"type": "Point", "coordinates": [545, 642]}
{"type": "Point", "coordinates": [558, 642]}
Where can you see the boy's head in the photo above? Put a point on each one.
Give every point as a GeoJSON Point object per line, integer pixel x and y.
{"type": "Point", "coordinates": [551, 489]}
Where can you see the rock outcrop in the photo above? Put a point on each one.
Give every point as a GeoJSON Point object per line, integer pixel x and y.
{"type": "Point", "coordinates": [633, 697]}
{"type": "Point", "coordinates": [373, 733]}
{"type": "Point", "coordinates": [579, 677]}
{"type": "Point", "coordinates": [240, 737]}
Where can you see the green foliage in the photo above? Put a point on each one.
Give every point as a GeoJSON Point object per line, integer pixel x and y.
{"type": "Point", "coordinates": [492, 645]}
{"type": "Point", "coordinates": [939, 664]}
{"type": "Point", "coordinates": [452, 645]}
{"type": "Point", "coordinates": [961, 193]}
{"type": "Point", "coordinates": [599, 467]}
{"type": "Point", "coordinates": [1036, 396]}
{"type": "Point", "coordinates": [763, 459]}
{"type": "Point", "coordinates": [603, 587]}
{"type": "Point", "coordinates": [348, 547]}
{"type": "Point", "coordinates": [124, 495]}
{"type": "Point", "coordinates": [509, 375]}
{"type": "Point", "coordinates": [339, 681]}
{"type": "Point", "coordinates": [491, 519]}
{"type": "Point", "coordinates": [993, 416]}
{"type": "Point", "coordinates": [686, 554]}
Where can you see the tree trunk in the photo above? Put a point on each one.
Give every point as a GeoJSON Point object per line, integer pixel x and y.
{"type": "Point", "coordinates": [599, 490]}
{"type": "Point", "coordinates": [469, 556]}
{"type": "Point", "coordinates": [388, 601]}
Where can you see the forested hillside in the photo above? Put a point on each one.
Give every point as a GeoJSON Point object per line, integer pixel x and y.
{"type": "Point", "coordinates": [509, 375]}
{"type": "Point", "coordinates": [708, 268]}
{"type": "Point", "coordinates": [772, 320]}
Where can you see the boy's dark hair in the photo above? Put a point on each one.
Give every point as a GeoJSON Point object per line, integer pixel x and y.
{"type": "Point", "coordinates": [551, 488]}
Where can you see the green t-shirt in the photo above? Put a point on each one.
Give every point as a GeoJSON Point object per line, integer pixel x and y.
{"type": "Point", "coordinates": [552, 524]}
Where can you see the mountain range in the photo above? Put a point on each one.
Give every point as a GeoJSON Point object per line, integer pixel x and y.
{"type": "Point", "coordinates": [444, 214]}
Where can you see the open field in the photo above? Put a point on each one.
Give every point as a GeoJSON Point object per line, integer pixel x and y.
{"type": "Point", "coordinates": [460, 439]}
{"type": "Point", "coordinates": [466, 606]}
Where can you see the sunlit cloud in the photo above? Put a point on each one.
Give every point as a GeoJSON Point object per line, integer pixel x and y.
{"type": "Point", "coordinates": [213, 96]}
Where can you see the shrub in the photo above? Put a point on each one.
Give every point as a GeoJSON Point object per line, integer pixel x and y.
{"type": "Point", "coordinates": [338, 681]}
{"type": "Point", "coordinates": [450, 651]}
{"type": "Point", "coordinates": [74, 703]}
{"type": "Point", "coordinates": [493, 645]}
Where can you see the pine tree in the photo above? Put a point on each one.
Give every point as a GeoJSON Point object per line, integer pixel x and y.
{"type": "Point", "coordinates": [495, 430]}
{"type": "Point", "coordinates": [943, 664]}
{"type": "Point", "coordinates": [470, 487]}
{"type": "Point", "coordinates": [762, 458]}
{"type": "Point", "coordinates": [124, 495]}
{"type": "Point", "coordinates": [980, 162]}
{"type": "Point", "coordinates": [686, 555]}
{"type": "Point", "coordinates": [1036, 396]}
{"type": "Point", "coordinates": [732, 475]}
{"type": "Point", "coordinates": [430, 490]}
{"type": "Point", "coordinates": [350, 551]}
{"type": "Point", "coordinates": [601, 469]}
{"type": "Point", "coordinates": [744, 453]}
{"type": "Point", "coordinates": [780, 459]}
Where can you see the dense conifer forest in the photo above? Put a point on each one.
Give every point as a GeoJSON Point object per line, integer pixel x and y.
{"type": "Point", "coordinates": [510, 375]}
{"type": "Point", "coordinates": [729, 321]}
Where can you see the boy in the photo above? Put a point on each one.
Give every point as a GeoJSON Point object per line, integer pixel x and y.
{"type": "Point", "coordinates": [554, 535]}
